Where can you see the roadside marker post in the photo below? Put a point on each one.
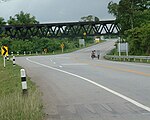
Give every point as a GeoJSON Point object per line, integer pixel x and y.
{"type": "Point", "coordinates": [24, 53]}
{"type": "Point", "coordinates": [14, 61]}
{"type": "Point", "coordinates": [127, 49]}
{"type": "Point", "coordinates": [4, 61]}
{"type": "Point", "coordinates": [12, 53]}
{"type": "Point", "coordinates": [24, 82]}
{"type": "Point", "coordinates": [17, 53]}
{"type": "Point", "coordinates": [7, 58]}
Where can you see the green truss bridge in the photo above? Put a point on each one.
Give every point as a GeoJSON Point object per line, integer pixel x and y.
{"type": "Point", "coordinates": [53, 30]}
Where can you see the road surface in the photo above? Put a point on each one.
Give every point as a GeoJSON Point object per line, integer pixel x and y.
{"type": "Point", "coordinates": [75, 87]}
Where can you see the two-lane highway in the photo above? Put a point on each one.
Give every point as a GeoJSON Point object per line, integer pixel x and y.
{"type": "Point", "coordinates": [75, 87]}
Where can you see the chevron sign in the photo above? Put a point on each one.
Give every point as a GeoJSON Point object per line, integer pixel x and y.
{"type": "Point", "coordinates": [4, 51]}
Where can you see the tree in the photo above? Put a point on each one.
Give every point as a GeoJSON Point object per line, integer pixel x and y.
{"type": "Point", "coordinates": [128, 12]}
{"type": "Point", "coordinates": [96, 19]}
{"type": "Point", "coordinates": [113, 8]}
{"type": "Point", "coordinates": [134, 18]}
{"type": "Point", "coordinates": [89, 18]}
{"type": "Point", "coordinates": [139, 40]}
{"type": "Point", "coordinates": [22, 19]}
{"type": "Point", "coordinates": [142, 17]}
{"type": "Point", "coordinates": [2, 22]}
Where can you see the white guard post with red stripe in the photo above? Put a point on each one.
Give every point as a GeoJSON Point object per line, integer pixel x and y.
{"type": "Point", "coordinates": [14, 61]}
{"type": "Point", "coordinates": [24, 82]}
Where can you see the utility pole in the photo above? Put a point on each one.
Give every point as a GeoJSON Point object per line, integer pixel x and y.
{"type": "Point", "coordinates": [132, 14]}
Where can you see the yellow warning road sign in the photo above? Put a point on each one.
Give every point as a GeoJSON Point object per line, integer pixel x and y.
{"type": "Point", "coordinates": [62, 45]}
{"type": "Point", "coordinates": [4, 51]}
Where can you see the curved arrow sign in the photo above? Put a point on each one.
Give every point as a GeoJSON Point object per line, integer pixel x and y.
{"type": "Point", "coordinates": [4, 50]}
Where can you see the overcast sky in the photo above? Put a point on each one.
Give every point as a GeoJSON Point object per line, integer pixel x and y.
{"type": "Point", "coordinates": [57, 10]}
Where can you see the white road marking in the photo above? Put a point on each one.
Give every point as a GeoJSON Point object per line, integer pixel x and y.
{"type": "Point", "coordinates": [62, 57]}
{"type": "Point", "coordinates": [54, 62]}
{"type": "Point", "coordinates": [98, 85]}
{"type": "Point", "coordinates": [74, 64]}
{"type": "Point", "coordinates": [60, 66]}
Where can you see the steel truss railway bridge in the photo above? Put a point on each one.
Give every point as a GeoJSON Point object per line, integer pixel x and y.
{"type": "Point", "coordinates": [53, 30]}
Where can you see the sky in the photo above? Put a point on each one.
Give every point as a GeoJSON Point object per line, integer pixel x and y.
{"type": "Point", "coordinates": [47, 11]}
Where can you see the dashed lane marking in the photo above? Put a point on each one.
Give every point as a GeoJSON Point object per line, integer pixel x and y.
{"type": "Point", "coordinates": [71, 64]}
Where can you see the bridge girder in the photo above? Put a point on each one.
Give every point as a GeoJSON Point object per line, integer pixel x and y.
{"type": "Point", "coordinates": [53, 30]}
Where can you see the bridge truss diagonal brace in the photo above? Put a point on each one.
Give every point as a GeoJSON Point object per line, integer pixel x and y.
{"type": "Point", "coordinates": [70, 29]}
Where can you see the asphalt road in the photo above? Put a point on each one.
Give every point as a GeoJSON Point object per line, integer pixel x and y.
{"type": "Point", "coordinates": [75, 87]}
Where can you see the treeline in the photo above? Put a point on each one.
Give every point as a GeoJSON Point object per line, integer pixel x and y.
{"type": "Point", "coordinates": [35, 44]}
{"type": "Point", "coordinates": [41, 45]}
{"type": "Point", "coordinates": [134, 19]}
{"type": "Point", "coordinates": [19, 19]}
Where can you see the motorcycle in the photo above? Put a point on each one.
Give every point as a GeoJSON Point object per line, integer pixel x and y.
{"type": "Point", "coordinates": [93, 55]}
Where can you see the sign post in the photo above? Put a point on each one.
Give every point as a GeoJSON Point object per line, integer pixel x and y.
{"type": "Point", "coordinates": [4, 53]}
{"type": "Point", "coordinates": [119, 49]}
{"type": "Point", "coordinates": [123, 47]}
{"type": "Point", "coordinates": [62, 47]}
{"type": "Point", "coordinates": [82, 42]}
{"type": "Point", "coordinates": [45, 50]}
{"type": "Point", "coordinates": [127, 49]}
{"type": "Point", "coordinates": [4, 62]}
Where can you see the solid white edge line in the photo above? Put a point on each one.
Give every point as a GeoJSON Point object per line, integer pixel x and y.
{"type": "Point", "coordinates": [101, 86]}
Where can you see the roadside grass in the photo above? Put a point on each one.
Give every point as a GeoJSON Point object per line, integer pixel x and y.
{"type": "Point", "coordinates": [14, 105]}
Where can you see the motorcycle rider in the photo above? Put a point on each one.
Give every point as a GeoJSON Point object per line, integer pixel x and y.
{"type": "Point", "coordinates": [93, 54]}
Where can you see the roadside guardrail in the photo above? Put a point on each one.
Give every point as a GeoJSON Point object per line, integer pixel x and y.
{"type": "Point", "coordinates": [128, 58]}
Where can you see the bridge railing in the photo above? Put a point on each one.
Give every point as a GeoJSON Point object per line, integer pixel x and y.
{"type": "Point", "coordinates": [128, 58]}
